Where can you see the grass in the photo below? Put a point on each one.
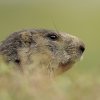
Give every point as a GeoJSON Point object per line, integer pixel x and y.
{"type": "Point", "coordinates": [15, 85]}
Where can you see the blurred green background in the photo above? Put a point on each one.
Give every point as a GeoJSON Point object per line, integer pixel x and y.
{"type": "Point", "coordinates": [78, 17]}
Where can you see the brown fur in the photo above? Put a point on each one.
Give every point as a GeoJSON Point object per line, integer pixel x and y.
{"type": "Point", "coordinates": [46, 49]}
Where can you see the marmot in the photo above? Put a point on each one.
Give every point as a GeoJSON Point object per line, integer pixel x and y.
{"type": "Point", "coordinates": [47, 49]}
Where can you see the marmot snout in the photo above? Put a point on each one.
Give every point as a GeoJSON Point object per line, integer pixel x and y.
{"type": "Point", "coordinates": [50, 50]}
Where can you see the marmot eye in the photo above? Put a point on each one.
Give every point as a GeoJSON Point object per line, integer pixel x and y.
{"type": "Point", "coordinates": [52, 37]}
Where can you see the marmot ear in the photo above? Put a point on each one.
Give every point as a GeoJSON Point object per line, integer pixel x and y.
{"type": "Point", "coordinates": [26, 38]}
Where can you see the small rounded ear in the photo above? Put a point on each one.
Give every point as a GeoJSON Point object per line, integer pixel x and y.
{"type": "Point", "coordinates": [26, 38]}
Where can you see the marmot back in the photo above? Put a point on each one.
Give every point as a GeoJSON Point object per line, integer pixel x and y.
{"type": "Point", "coordinates": [47, 49]}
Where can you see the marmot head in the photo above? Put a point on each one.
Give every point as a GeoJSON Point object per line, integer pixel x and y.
{"type": "Point", "coordinates": [53, 50]}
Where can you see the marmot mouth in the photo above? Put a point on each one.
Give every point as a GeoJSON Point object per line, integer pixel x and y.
{"type": "Point", "coordinates": [65, 66]}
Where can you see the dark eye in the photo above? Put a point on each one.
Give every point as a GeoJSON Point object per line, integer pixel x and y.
{"type": "Point", "coordinates": [53, 37]}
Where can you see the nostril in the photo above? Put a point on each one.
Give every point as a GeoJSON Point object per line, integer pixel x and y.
{"type": "Point", "coordinates": [81, 48]}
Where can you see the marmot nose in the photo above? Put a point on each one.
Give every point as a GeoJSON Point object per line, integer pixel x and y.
{"type": "Point", "coordinates": [81, 48]}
